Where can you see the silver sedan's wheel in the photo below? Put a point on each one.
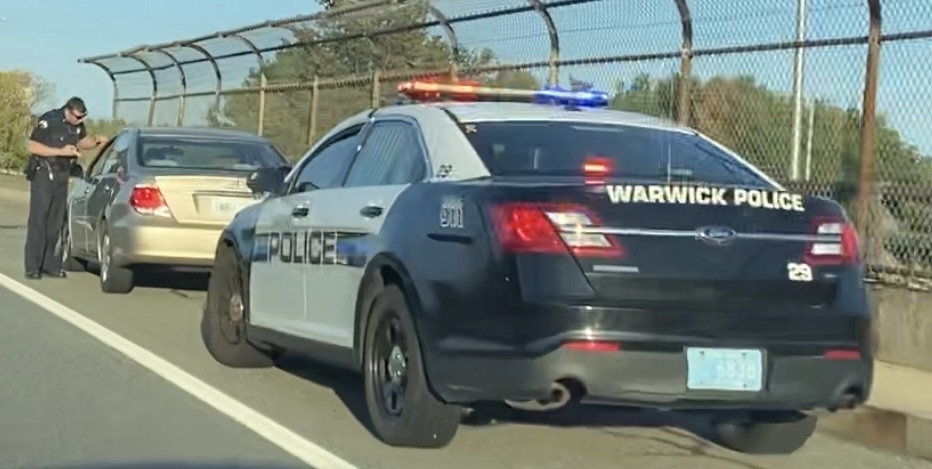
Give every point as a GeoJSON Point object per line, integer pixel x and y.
{"type": "Point", "coordinates": [113, 278]}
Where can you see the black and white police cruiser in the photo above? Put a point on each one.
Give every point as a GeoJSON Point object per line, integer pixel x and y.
{"type": "Point", "coordinates": [477, 248]}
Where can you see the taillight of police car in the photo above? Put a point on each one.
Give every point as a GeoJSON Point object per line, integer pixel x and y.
{"type": "Point", "coordinates": [596, 168]}
{"type": "Point", "coordinates": [551, 228]}
{"type": "Point", "coordinates": [832, 252]}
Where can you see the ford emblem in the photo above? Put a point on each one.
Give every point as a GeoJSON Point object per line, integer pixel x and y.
{"type": "Point", "coordinates": [716, 235]}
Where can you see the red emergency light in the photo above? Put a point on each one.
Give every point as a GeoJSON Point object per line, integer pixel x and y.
{"type": "Point", "coordinates": [429, 91]}
{"type": "Point", "coordinates": [422, 90]}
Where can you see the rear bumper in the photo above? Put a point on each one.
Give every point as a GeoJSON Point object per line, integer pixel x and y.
{"type": "Point", "coordinates": [799, 367]}
{"type": "Point", "coordinates": [653, 379]}
{"type": "Point", "coordinates": [164, 245]}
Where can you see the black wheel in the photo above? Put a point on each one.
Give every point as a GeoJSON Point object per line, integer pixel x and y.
{"type": "Point", "coordinates": [770, 433]}
{"type": "Point", "coordinates": [113, 278]}
{"type": "Point", "coordinates": [223, 324]}
{"type": "Point", "coordinates": [402, 408]}
{"type": "Point", "coordinates": [68, 262]}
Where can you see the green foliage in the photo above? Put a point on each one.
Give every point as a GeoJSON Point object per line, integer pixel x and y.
{"type": "Point", "coordinates": [402, 53]}
{"type": "Point", "coordinates": [16, 99]}
{"type": "Point", "coordinates": [107, 127]}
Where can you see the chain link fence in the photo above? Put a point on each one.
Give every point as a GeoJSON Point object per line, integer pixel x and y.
{"type": "Point", "coordinates": [805, 97]}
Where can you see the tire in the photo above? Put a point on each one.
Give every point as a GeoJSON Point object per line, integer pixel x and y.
{"type": "Point", "coordinates": [113, 278]}
{"type": "Point", "coordinates": [771, 434]}
{"type": "Point", "coordinates": [223, 324]}
{"type": "Point", "coordinates": [422, 421]}
{"type": "Point", "coordinates": [68, 262]}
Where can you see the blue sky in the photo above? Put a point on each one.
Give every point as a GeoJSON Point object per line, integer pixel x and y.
{"type": "Point", "coordinates": [49, 44]}
{"type": "Point", "coordinates": [612, 27]}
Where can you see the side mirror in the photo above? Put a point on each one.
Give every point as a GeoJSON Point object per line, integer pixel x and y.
{"type": "Point", "coordinates": [265, 180]}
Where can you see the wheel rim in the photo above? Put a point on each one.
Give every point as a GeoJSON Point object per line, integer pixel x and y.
{"type": "Point", "coordinates": [231, 317]}
{"type": "Point", "coordinates": [104, 253]}
{"type": "Point", "coordinates": [390, 364]}
{"type": "Point", "coordinates": [66, 247]}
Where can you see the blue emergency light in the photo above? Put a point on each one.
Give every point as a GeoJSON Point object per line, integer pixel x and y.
{"type": "Point", "coordinates": [584, 98]}
{"type": "Point", "coordinates": [427, 91]}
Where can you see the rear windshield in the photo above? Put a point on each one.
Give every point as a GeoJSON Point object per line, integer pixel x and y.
{"type": "Point", "coordinates": [202, 153]}
{"type": "Point", "coordinates": [555, 148]}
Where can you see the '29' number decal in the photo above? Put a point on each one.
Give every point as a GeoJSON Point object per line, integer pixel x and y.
{"type": "Point", "coordinates": [799, 272]}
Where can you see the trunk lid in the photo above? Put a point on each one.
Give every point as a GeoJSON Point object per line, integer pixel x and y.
{"type": "Point", "coordinates": [212, 199]}
{"type": "Point", "coordinates": [695, 245]}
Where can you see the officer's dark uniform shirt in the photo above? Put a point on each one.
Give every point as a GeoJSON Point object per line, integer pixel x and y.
{"type": "Point", "coordinates": [52, 130]}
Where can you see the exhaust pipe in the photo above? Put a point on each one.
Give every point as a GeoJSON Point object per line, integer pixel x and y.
{"type": "Point", "coordinates": [847, 401]}
{"type": "Point", "coordinates": [558, 398]}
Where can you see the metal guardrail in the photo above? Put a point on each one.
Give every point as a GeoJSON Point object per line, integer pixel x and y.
{"type": "Point", "coordinates": [319, 68]}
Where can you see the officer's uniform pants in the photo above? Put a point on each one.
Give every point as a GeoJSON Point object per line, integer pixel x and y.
{"type": "Point", "coordinates": [47, 205]}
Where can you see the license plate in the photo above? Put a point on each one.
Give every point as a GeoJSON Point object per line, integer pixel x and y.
{"type": "Point", "coordinates": [228, 206]}
{"type": "Point", "coordinates": [724, 369]}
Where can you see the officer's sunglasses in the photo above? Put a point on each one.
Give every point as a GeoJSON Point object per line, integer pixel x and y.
{"type": "Point", "coordinates": [77, 115]}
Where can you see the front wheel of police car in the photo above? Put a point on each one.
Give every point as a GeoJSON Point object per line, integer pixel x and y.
{"type": "Point", "coordinates": [402, 408]}
{"type": "Point", "coordinates": [223, 325]}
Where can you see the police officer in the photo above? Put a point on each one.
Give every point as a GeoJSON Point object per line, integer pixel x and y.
{"type": "Point", "coordinates": [54, 147]}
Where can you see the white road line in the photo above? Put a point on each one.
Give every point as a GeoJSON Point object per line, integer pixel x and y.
{"type": "Point", "coordinates": [277, 434]}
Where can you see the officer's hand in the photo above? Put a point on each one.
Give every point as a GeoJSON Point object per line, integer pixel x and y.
{"type": "Point", "coordinates": [71, 150]}
{"type": "Point", "coordinates": [101, 139]}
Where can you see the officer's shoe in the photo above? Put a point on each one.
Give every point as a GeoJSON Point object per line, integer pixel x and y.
{"type": "Point", "coordinates": [55, 274]}
{"type": "Point", "coordinates": [33, 275]}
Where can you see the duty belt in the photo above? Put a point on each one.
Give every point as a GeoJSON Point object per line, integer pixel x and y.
{"type": "Point", "coordinates": [59, 165]}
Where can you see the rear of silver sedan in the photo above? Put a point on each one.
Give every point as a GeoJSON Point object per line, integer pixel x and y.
{"type": "Point", "coordinates": [165, 209]}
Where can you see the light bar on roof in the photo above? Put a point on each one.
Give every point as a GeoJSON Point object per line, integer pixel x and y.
{"type": "Point", "coordinates": [427, 91]}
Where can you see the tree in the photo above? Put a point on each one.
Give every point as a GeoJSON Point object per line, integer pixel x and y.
{"type": "Point", "coordinates": [345, 67]}
{"type": "Point", "coordinates": [17, 97]}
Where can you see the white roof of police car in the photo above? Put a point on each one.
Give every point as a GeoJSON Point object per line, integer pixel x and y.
{"type": "Point", "coordinates": [510, 111]}
{"type": "Point", "coordinates": [446, 144]}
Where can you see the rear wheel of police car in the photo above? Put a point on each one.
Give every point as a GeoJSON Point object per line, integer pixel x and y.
{"type": "Point", "coordinates": [223, 324]}
{"type": "Point", "coordinates": [402, 408]}
{"type": "Point", "coordinates": [767, 432]}
{"type": "Point", "coordinates": [113, 278]}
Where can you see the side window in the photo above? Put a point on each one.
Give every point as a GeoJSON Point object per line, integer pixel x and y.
{"type": "Point", "coordinates": [324, 168]}
{"type": "Point", "coordinates": [390, 155]}
{"type": "Point", "coordinates": [121, 148]}
{"type": "Point", "coordinates": [116, 155]}
{"type": "Point", "coordinates": [101, 161]}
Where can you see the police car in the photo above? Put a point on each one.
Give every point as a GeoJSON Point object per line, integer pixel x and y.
{"type": "Point", "coordinates": [531, 248]}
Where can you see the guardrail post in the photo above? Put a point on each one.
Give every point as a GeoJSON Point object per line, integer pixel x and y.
{"type": "Point", "coordinates": [155, 84]}
{"type": "Point", "coordinates": [184, 82]}
{"type": "Point", "coordinates": [684, 93]}
{"type": "Point", "coordinates": [312, 111]}
{"type": "Point", "coordinates": [451, 36]}
{"type": "Point", "coordinates": [554, 63]}
{"type": "Point", "coordinates": [866, 163]}
{"type": "Point", "coordinates": [217, 74]}
{"type": "Point", "coordinates": [113, 80]}
{"type": "Point", "coordinates": [376, 88]}
{"type": "Point", "coordinates": [263, 80]}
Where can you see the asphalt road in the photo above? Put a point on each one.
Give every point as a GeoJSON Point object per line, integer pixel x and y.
{"type": "Point", "coordinates": [73, 399]}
